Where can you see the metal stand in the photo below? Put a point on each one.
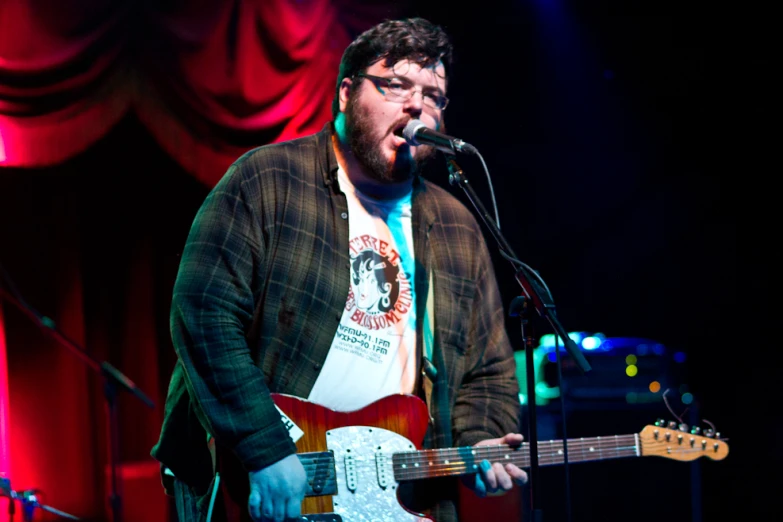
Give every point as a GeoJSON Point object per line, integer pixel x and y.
{"type": "Point", "coordinates": [114, 380]}
{"type": "Point", "coordinates": [29, 500]}
{"type": "Point", "coordinates": [537, 296]}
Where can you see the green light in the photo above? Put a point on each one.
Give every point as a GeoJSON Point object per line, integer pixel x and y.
{"type": "Point", "coordinates": [548, 340]}
{"type": "Point", "coordinates": [631, 370]}
{"type": "Point", "coordinates": [546, 392]}
{"type": "Point", "coordinates": [630, 359]}
{"type": "Point", "coordinates": [543, 392]}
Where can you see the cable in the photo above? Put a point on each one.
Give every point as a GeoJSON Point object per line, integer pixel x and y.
{"type": "Point", "coordinates": [506, 255]}
{"type": "Point", "coordinates": [491, 189]}
{"type": "Point", "coordinates": [566, 463]}
{"type": "Point", "coordinates": [213, 496]}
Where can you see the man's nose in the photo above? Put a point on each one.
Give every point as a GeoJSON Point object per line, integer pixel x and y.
{"type": "Point", "coordinates": [415, 104]}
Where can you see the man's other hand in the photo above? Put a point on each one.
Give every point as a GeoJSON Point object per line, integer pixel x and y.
{"type": "Point", "coordinates": [496, 478]}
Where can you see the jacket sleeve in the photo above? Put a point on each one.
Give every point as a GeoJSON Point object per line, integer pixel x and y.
{"type": "Point", "coordinates": [211, 311]}
{"type": "Point", "coordinates": [487, 403]}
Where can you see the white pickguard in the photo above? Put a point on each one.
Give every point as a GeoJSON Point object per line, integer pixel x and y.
{"type": "Point", "coordinates": [361, 497]}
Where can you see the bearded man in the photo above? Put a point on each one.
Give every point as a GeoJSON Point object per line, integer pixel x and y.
{"type": "Point", "coordinates": [263, 307]}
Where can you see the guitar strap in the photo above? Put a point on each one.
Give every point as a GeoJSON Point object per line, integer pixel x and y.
{"type": "Point", "coordinates": [428, 371]}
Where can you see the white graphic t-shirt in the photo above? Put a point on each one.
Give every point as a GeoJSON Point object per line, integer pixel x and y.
{"type": "Point", "coordinates": [374, 349]}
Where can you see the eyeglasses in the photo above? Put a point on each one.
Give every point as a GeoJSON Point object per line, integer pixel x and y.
{"type": "Point", "coordinates": [401, 89]}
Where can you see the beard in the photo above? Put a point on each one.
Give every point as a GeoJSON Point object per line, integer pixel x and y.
{"type": "Point", "coordinates": [366, 148]}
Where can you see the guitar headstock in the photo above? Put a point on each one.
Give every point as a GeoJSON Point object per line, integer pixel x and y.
{"type": "Point", "coordinates": [673, 441]}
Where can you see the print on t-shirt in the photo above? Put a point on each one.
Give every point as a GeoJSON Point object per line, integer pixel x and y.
{"type": "Point", "coordinates": [380, 291]}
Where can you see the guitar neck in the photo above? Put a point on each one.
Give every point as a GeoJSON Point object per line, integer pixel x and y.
{"type": "Point", "coordinates": [414, 465]}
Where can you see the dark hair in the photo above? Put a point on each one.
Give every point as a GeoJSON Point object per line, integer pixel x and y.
{"type": "Point", "coordinates": [415, 39]}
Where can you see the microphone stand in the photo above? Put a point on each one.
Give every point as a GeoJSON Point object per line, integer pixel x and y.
{"type": "Point", "coordinates": [114, 380]}
{"type": "Point", "coordinates": [536, 295]}
{"type": "Point", "coordinates": [29, 500]}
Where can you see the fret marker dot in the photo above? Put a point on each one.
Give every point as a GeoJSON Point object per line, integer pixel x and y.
{"type": "Point", "coordinates": [416, 465]}
{"type": "Point", "coordinates": [445, 461]}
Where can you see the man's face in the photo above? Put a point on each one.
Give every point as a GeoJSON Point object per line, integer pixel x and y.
{"type": "Point", "coordinates": [374, 124]}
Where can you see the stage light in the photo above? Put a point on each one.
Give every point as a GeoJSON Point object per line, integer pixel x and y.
{"type": "Point", "coordinates": [592, 342]}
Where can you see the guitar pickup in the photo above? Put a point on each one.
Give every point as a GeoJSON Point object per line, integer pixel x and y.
{"type": "Point", "coordinates": [324, 479]}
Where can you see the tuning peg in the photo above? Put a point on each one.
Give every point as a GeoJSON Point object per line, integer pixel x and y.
{"type": "Point", "coordinates": [672, 425]}
{"type": "Point", "coordinates": [660, 423]}
{"type": "Point", "coordinates": [695, 430]}
{"type": "Point", "coordinates": [683, 427]}
{"type": "Point", "coordinates": [711, 431]}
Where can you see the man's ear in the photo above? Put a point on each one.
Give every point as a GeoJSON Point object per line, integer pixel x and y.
{"type": "Point", "coordinates": [345, 91]}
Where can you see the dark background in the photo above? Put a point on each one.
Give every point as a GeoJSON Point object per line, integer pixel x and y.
{"type": "Point", "coordinates": [603, 126]}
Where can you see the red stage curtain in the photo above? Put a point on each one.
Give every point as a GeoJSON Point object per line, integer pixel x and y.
{"type": "Point", "coordinates": [63, 77]}
{"type": "Point", "coordinates": [93, 214]}
{"type": "Point", "coordinates": [209, 79]}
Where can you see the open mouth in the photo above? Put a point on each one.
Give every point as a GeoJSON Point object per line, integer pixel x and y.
{"type": "Point", "coordinates": [397, 130]}
{"type": "Point", "coordinates": [399, 139]}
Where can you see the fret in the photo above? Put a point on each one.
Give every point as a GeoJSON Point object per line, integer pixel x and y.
{"type": "Point", "coordinates": [413, 465]}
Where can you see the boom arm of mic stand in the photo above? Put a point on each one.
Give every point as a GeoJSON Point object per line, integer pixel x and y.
{"type": "Point", "coordinates": [540, 298]}
{"type": "Point", "coordinates": [104, 368]}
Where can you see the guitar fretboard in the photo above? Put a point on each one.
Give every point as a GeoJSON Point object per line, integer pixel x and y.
{"type": "Point", "coordinates": [413, 465]}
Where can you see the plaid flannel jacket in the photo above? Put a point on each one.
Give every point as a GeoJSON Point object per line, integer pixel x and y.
{"type": "Point", "coordinates": [261, 287]}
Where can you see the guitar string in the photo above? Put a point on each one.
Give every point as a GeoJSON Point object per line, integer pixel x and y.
{"type": "Point", "coordinates": [584, 450]}
{"type": "Point", "coordinates": [490, 452]}
{"type": "Point", "coordinates": [501, 451]}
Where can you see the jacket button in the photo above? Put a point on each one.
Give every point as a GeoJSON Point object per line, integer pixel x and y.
{"type": "Point", "coordinates": [317, 366]}
{"type": "Point", "coordinates": [344, 215]}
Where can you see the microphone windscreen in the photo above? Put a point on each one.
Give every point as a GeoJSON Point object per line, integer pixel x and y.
{"type": "Point", "coordinates": [409, 132]}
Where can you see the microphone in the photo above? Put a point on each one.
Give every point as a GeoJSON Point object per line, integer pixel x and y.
{"type": "Point", "coordinates": [416, 133]}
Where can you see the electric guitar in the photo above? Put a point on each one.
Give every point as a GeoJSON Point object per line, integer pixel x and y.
{"type": "Point", "coordinates": [355, 460]}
